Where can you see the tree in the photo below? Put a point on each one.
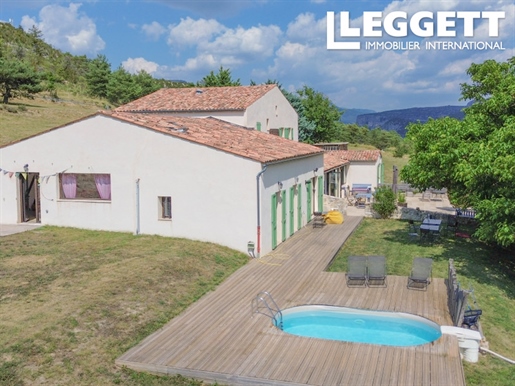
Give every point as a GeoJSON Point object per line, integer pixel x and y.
{"type": "Point", "coordinates": [319, 110]}
{"type": "Point", "coordinates": [17, 79]}
{"type": "Point", "coordinates": [222, 79]}
{"type": "Point", "coordinates": [122, 87]}
{"type": "Point", "coordinates": [98, 76]}
{"type": "Point", "coordinates": [306, 127]}
{"type": "Point", "coordinates": [474, 158]}
{"type": "Point", "coordinates": [146, 83]}
{"type": "Point", "coordinates": [384, 202]}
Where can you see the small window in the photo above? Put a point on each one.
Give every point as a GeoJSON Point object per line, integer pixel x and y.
{"type": "Point", "coordinates": [165, 208]}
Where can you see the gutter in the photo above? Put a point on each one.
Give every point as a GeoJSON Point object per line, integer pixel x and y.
{"type": "Point", "coordinates": [259, 209]}
{"type": "Point", "coordinates": [137, 231]}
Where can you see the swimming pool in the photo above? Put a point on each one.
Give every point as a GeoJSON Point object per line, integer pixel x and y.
{"type": "Point", "coordinates": [363, 326]}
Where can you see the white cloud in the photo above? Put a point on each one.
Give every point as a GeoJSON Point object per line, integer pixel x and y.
{"type": "Point", "coordinates": [135, 65]}
{"type": "Point", "coordinates": [252, 43]}
{"type": "Point", "coordinates": [67, 29]}
{"type": "Point", "coordinates": [153, 30]}
{"type": "Point", "coordinates": [193, 32]}
{"type": "Point", "coordinates": [306, 27]}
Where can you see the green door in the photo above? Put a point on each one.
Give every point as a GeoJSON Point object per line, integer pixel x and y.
{"type": "Point", "coordinates": [299, 206]}
{"type": "Point", "coordinates": [292, 210]}
{"type": "Point", "coordinates": [274, 221]}
{"type": "Point", "coordinates": [320, 193]}
{"type": "Point", "coordinates": [309, 205]}
{"type": "Point", "coordinates": [283, 214]}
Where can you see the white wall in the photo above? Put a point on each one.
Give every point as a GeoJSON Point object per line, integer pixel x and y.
{"type": "Point", "coordinates": [213, 193]}
{"type": "Point", "coordinates": [275, 108]}
{"type": "Point", "coordinates": [363, 173]}
{"type": "Point", "coordinates": [286, 172]}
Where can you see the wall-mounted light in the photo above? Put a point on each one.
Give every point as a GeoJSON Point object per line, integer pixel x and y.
{"type": "Point", "coordinates": [296, 180]}
{"type": "Point", "coordinates": [279, 185]}
{"type": "Point", "coordinates": [26, 167]}
{"type": "Point", "coordinates": [315, 171]}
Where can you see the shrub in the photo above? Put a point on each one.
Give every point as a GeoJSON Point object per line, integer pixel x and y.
{"type": "Point", "coordinates": [384, 202]}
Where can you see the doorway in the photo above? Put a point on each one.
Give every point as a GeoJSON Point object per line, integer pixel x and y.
{"type": "Point", "coordinates": [30, 201]}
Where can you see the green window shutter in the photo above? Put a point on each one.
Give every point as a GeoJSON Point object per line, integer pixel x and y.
{"type": "Point", "coordinates": [299, 206]}
{"type": "Point", "coordinates": [287, 132]}
{"type": "Point", "coordinates": [258, 126]}
{"type": "Point", "coordinates": [292, 210]}
{"type": "Point", "coordinates": [274, 221]}
{"type": "Point", "coordinates": [283, 214]}
{"type": "Point", "coordinates": [320, 193]}
{"type": "Point", "coordinates": [309, 197]}
{"type": "Point", "coordinates": [281, 131]}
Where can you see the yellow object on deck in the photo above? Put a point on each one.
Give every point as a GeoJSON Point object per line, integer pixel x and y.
{"type": "Point", "coordinates": [333, 217]}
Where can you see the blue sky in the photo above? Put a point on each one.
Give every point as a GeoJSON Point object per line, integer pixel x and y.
{"type": "Point", "coordinates": [284, 40]}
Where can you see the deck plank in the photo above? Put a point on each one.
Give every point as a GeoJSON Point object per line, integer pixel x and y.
{"type": "Point", "coordinates": [218, 339]}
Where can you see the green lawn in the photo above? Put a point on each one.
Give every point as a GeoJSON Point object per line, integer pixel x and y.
{"type": "Point", "coordinates": [487, 270]}
{"type": "Point", "coordinates": [72, 301]}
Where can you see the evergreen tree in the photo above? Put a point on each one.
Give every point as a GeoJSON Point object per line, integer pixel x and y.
{"type": "Point", "coordinates": [222, 79]}
{"type": "Point", "coordinates": [17, 79]}
{"type": "Point", "coordinates": [122, 87]}
{"type": "Point", "coordinates": [98, 76]}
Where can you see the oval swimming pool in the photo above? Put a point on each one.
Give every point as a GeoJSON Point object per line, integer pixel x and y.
{"type": "Point", "coordinates": [363, 326]}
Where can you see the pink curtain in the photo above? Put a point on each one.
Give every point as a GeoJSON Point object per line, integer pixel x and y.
{"type": "Point", "coordinates": [69, 183]}
{"type": "Point", "coordinates": [103, 183]}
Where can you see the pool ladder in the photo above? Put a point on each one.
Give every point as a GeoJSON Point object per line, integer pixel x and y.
{"type": "Point", "coordinates": [265, 304]}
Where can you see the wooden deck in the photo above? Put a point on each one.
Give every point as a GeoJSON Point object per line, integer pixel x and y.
{"type": "Point", "coordinates": [218, 338]}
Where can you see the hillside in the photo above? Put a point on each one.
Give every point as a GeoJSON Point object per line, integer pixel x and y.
{"type": "Point", "coordinates": [397, 120]}
{"type": "Point", "coordinates": [351, 115]}
{"type": "Point", "coordinates": [25, 117]}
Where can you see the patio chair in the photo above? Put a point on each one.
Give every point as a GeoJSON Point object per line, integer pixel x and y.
{"type": "Point", "coordinates": [356, 271]}
{"type": "Point", "coordinates": [412, 231]}
{"type": "Point", "coordinates": [471, 318]}
{"type": "Point", "coordinates": [452, 226]}
{"type": "Point", "coordinates": [421, 272]}
{"type": "Point", "coordinates": [376, 274]}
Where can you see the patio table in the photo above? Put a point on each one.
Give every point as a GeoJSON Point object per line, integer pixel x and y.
{"type": "Point", "coordinates": [431, 225]}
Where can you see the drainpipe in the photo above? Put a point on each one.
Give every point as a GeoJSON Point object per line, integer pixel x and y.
{"type": "Point", "coordinates": [259, 210]}
{"type": "Point", "coordinates": [137, 208]}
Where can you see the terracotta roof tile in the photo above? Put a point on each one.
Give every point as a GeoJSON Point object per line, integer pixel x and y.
{"type": "Point", "coordinates": [198, 99]}
{"type": "Point", "coordinates": [336, 158]}
{"type": "Point", "coordinates": [222, 135]}
{"type": "Point", "coordinates": [362, 155]}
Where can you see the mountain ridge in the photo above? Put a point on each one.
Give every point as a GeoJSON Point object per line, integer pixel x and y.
{"type": "Point", "coordinates": [397, 120]}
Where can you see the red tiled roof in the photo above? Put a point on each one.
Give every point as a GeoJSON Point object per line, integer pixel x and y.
{"type": "Point", "coordinates": [362, 155]}
{"type": "Point", "coordinates": [336, 158]}
{"type": "Point", "coordinates": [198, 99]}
{"type": "Point", "coordinates": [222, 135]}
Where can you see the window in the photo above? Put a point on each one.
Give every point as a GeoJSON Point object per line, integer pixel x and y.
{"type": "Point", "coordinates": [81, 186]}
{"type": "Point", "coordinates": [165, 208]}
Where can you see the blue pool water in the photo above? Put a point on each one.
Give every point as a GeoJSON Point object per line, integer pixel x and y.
{"type": "Point", "coordinates": [363, 326]}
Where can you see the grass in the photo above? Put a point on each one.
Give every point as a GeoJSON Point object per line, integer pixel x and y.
{"type": "Point", "coordinates": [490, 272]}
{"type": "Point", "coordinates": [72, 301]}
{"type": "Point", "coordinates": [25, 117]}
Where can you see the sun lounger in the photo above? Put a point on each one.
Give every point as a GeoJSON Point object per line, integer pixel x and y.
{"type": "Point", "coordinates": [376, 274]}
{"type": "Point", "coordinates": [421, 271]}
{"type": "Point", "coordinates": [357, 271]}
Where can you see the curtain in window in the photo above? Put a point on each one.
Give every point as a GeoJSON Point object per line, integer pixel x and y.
{"type": "Point", "coordinates": [69, 183]}
{"type": "Point", "coordinates": [103, 183]}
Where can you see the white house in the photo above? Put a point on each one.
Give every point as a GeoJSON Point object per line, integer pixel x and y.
{"type": "Point", "coordinates": [198, 178]}
{"type": "Point", "coordinates": [343, 168]}
{"type": "Point", "coordinates": [262, 107]}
